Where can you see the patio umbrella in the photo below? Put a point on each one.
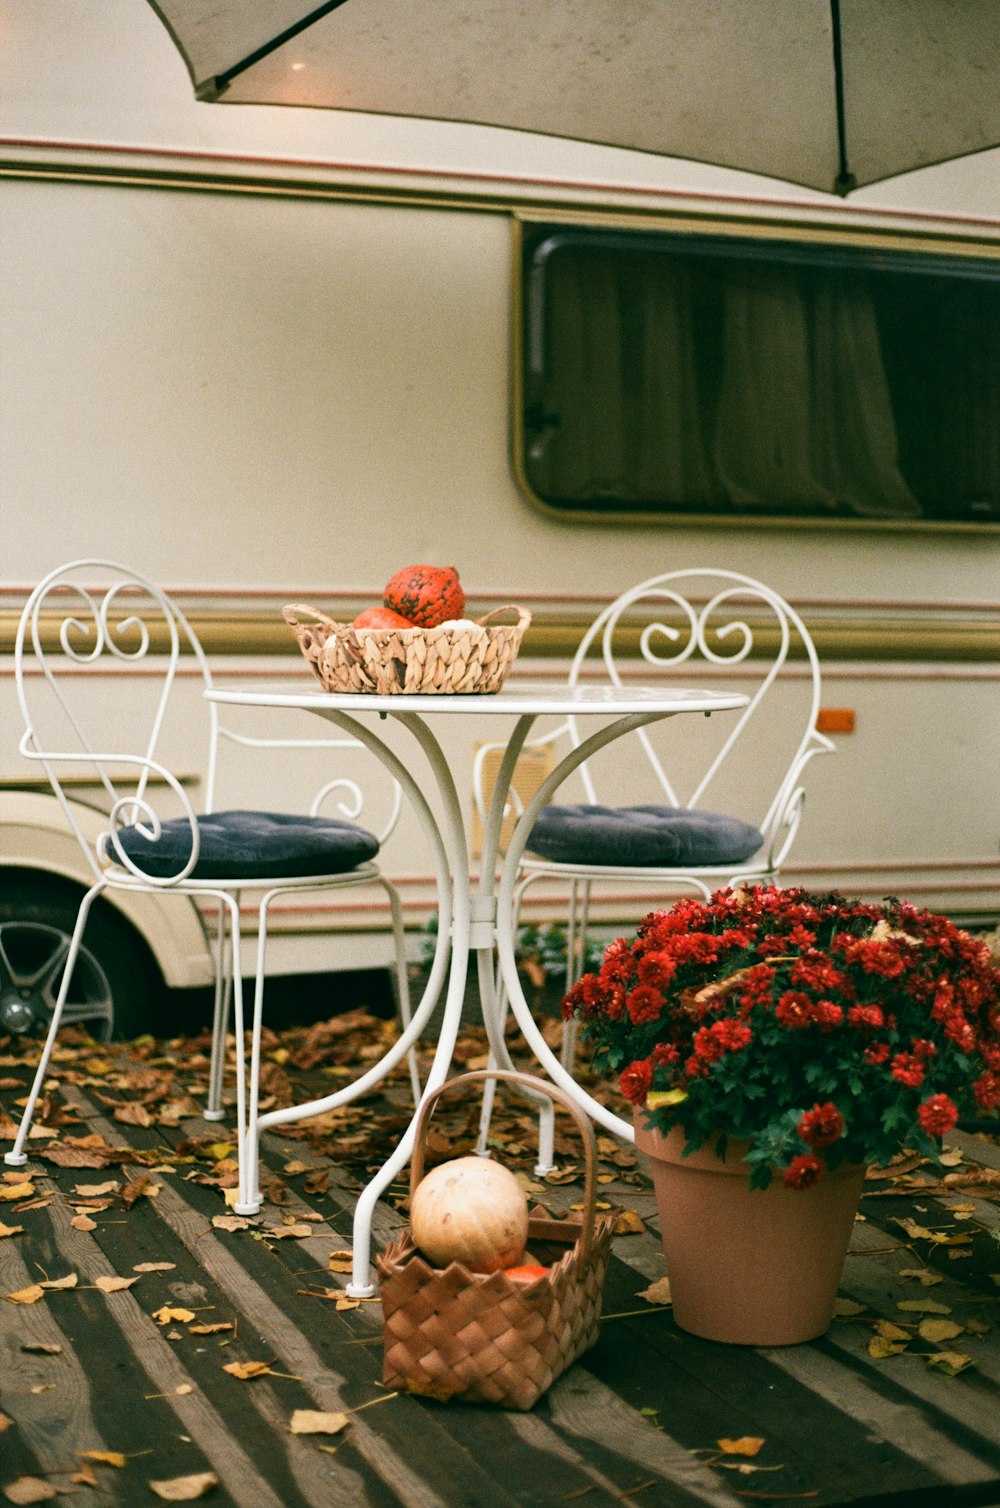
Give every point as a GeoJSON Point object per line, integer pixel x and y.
{"type": "Point", "coordinates": [831, 94]}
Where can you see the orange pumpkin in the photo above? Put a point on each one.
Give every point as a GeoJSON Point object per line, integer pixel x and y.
{"type": "Point", "coordinates": [426, 594]}
{"type": "Point", "coordinates": [381, 617]}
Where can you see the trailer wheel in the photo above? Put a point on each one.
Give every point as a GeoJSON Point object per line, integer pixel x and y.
{"type": "Point", "coordinates": [114, 987]}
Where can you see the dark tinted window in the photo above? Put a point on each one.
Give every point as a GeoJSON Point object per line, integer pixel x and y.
{"type": "Point", "coordinates": [680, 374]}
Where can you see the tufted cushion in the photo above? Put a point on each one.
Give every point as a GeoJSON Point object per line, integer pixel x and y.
{"type": "Point", "coordinates": [641, 836]}
{"type": "Point", "coordinates": [252, 845]}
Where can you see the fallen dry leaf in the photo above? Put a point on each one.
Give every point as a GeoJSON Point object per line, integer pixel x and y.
{"type": "Point", "coordinates": [154, 1266]}
{"type": "Point", "coordinates": [167, 1314]}
{"type": "Point", "coordinates": [657, 1293]}
{"type": "Point", "coordinates": [141, 1187]}
{"type": "Point", "coordinates": [113, 1285]}
{"type": "Point", "coordinates": [317, 1422]}
{"type": "Point", "coordinates": [246, 1371]}
{"type": "Point", "coordinates": [211, 1329]}
{"type": "Point", "coordinates": [746, 1445]}
{"type": "Point", "coordinates": [69, 1281]}
{"type": "Point", "coordinates": [83, 1222]}
{"type": "Point", "coordinates": [937, 1330]}
{"type": "Point", "coordinates": [96, 1190]}
{"type": "Point", "coordinates": [844, 1308]}
{"type": "Point", "coordinates": [29, 1295]}
{"type": "Point", "coordinates": [231, 1222]}
{"type": "Point", "coordinates": [29, 1490]}
{"type": "Point", "coordinates": [10, 1192]}
{"type": "Point", "coordinates": [185, 1489]}
{"type": "Point", "coordinates": [41, 1348]}
{"type": "Point", "coordinates": [923, 1306]}
{"type": "Point", "coordinates": [10, 1230]}
{"type": "Point", "coordinates": [880, 1346]}
{"type": "Point", "coordinates": [280, 1232]}
{"type": "Point", "coordinates": [923, 1275]}
{"type": "Point", "coordinates": [889, 1331]}
{"type": "Point", "coordinates": [950, 1362]}
{"type": "Point", "coordinates": [341, 1261]}
{"type": "Point", "coordinates": [628, 1223]}
{"type": "Point", "coordinates": [105, 1457]}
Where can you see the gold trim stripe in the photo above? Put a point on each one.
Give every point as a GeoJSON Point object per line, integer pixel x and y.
{"type": "Point", "coordinates": [555, 636]}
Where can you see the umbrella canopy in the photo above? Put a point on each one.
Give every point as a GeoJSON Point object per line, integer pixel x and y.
{"type": "Point", "coordinates": [831, 94]}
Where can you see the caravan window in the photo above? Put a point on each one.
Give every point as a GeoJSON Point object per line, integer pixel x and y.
{"type": "Point", "coordinates": [719, 377]}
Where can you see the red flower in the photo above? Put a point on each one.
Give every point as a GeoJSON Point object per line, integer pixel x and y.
{"type": "Point", "coordinates": [821, 1126]}
{"type": "Point", "coordinates": [794, 1009]}
{"type": "Point", "coordinates": [866, 1015]}
{"type": "Point", "coordinates": [803, 1171]}
{"type": "Point", "coordinates": [635, 1081]}
{"type": "Point", "coordinates": [657, 969]}
{"type": "Point", "coordinates": [907, 1069]}
{"type": "Point", "coordinates": [937, 1114]}
{"type": "Point", "coordinates": [644, 1004]}
{"type": "Point", "coordinates": [987, 1090]}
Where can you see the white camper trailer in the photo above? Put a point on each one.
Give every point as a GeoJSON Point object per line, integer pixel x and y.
{"type": "Point", "coordinates": [270, 356]}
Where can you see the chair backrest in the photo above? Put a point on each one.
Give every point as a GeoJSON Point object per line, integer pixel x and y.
{"type": "Point", "coordinates": [110, 678]}
{"type": "Point", "coordinates": [719, 624]}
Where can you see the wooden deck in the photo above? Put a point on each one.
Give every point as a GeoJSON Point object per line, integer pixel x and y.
{"type": "Point", "coordinates": [108, 1388]}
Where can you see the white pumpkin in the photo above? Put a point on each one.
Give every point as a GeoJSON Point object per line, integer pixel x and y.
{"type": "Point", "coordinates": [470, 1210]}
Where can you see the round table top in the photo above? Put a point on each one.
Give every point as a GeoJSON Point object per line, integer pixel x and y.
{"type": "Point", "coordinates": [597, 698]}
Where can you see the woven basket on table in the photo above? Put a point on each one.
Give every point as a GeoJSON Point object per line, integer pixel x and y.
{"type": "Point", "coordinates": [474, 657]}
{"type": "Point", "coordinates": [487, 1338]}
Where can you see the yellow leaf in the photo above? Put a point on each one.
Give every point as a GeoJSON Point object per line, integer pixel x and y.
{"type": "Point", "coordinates": [844, 1307]}
{"type": "Point", "coordinates": [10, 1230]}
{"type": "Point", "coordinates": [96, 1190]}
{"type": "Point", "coordinates": [657, 1293]}
{"type": "Point", "coordinates": [230, 1222]}
{"type": "Point", "coordinates": [343, 1302]}
{"type": "Point", "coordinates": [280, 1232]}
{"type": "Point", "coordinates": [341, 1261]}
{"type": "Point", "coordinates": [660, 1097]}
{"type": "Point", "coordinates": [923, 1306]}
{"type": "Point", "coordinates": [154, 1266]}
{"type": "Point", "coordinates": [29, 1490]}
{"type": "Point", "coordinates": [114, 1285]}
{"type": "Point", "coordinates": [628, 1223]}
{"type": "Point", "coordinates": [185, 1489]}
{"type": "Point", "coordinates": [889, 1331]}
{"type": "Point", "coordinates": [247, 1370]}
{"type": "Point", "coordinates": [11, 1192]}
{"type": "Point", "coordinates": [880, 1347]}
{"type": "Point", "coordinates": [937, 1330]}
{"type": "Point", "coordinates": [168, 1315]}
{"type": "Point", "coordinates": [923, 1275]}
{"type": "Point", "coordinates": [295, 1167]}
{"type": "Point", "coordinates": [69, 1281]}
{"type": "Point", "coordinates": [26, 1295]}
{"type": "Point", "coordinates": [218, 1150]}
{"type": "Point", "coordinates": [317, 1422]}
{"type": "Point", "coordinates": [83, 1222]}
{"type": "Point", "coordinates": [211, 1329]}
{"type": "Point", "coordinates": [950, 1362]}
{"type": "Point", "coordinates": [104, 1457]}
{"type": "Point", "coordinates": [746, 1445]}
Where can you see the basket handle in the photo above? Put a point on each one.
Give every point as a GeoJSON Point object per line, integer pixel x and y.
{"type": "Point", "coordinates": [523, 615]}
{"type": "Point", "coordinates": [296, 611]}
{"type": "Point", "coordinates": [540, 1086]}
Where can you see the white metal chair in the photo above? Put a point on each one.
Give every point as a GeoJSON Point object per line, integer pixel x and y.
{"type": "Point", "coordinates": [685, 623]}
{"type": "Point", "coordinates": [72, 636]}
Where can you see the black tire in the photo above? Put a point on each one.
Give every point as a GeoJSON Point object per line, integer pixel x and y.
{"type": "Point", "coordinates": [116, 986]}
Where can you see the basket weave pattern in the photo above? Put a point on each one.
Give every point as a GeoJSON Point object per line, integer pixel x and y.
{"type": "Point", "coordinates": [488, 1338]}
{"type": "Point", "coordinates": [473, 658]}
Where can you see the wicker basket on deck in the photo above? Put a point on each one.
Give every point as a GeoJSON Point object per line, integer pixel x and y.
{"type": "Point", "coordinates": [472, 657]}
{"type": "Point", "coordinates": [488, 1338]}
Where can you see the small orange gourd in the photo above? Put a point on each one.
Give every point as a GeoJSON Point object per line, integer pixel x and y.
{"type": "Point", "coordinates": [470, 1210]}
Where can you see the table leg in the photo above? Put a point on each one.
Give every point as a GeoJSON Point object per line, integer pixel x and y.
{"type": "Point", "coordinates": [506, 940]}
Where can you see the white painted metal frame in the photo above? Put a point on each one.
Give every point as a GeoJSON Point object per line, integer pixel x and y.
{"type": "Point", "coordinates": [714, 630]}
{"type": "Point", "coordinates": [470, 920]}
{"type": "Point", "coordinates": [132, 622]}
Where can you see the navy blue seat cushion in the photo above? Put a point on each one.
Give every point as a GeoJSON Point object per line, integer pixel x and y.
{"type": "Point", "coordinates": [249, 845]}
{"type": "Point", "coordinates": [641, 836]}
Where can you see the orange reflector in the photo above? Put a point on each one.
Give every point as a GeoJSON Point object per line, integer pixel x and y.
{"type": "Point", "coordinates": [835, 720]}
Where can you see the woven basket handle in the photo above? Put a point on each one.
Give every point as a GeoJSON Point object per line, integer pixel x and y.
{"type": "Point", "coordinates": [296, 611]}
{"type": "Point", "coordinates": [523, 615]}
{"type": "Point", "coordinates": [540, 1086]}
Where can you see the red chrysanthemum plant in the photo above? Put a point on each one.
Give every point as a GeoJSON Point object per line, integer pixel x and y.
{"type": "Point", "coordinates": [818, 1029]}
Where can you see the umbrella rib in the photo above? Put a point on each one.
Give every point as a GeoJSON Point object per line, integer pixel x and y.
{"type": "Point", "coordinates": [845, 180]}
{"type": "Point", "coordinates": [211, 88]}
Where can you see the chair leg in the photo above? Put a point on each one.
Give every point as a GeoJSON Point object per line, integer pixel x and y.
{"type": "Point", "coordinates": [220, 1019]}
{"type": "Point", "coordinates": [576, 953]}
{"type": "Point", "coordinates": [17, 1157]}
{"type": "Point", "coordinates": [249, 1145]}
{"type": "Point", "coordinates": [402, 978]}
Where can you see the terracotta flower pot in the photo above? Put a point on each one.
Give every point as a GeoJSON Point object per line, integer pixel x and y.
{"type": "Point", "coordinates": [754, 1267]}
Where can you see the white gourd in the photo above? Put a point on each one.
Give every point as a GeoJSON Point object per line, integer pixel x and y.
{"type": "Point", "coordinates": [473, 1211]}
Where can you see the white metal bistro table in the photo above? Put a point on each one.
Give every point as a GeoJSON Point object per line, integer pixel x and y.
{"type": "Point", "coordinates": [480, 920]}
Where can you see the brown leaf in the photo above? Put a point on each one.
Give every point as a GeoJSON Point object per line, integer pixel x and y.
{"type": "Point", "coordinates": [41, 1348]}
{"type": "Point", "coordinates": [317, 1183]}
{"type": "Point", "coordinates": [83, 1222]}
{"type": "Point", "coordinates": [280, 1232]}
{"type": "Point", "coordinates": [139, 1187]}
{"type": "Point", "coordinates": [154, 1266]}
{"type": "Point", "coordinates": [10, 1230]}
{"type": "Point", "coordinates": [134, 1114]}
{"type": "Point", "coordinates": [211, 1329]}
{"type": "Point", "coordinates": [317, 1422]}
{"type": "Point", "coordinates": [96, 1190]}
{"type": "Point", "coordinates": [185, 1489]}
{"type": "Point", "coordinates": [341, 1261]}
{"type": "Point", "coordinates": [628, 1223]}
{"type": "Point", "coordinates": [295, 1167]}
{"type": "Point", "coordinates": [113, 1285]}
